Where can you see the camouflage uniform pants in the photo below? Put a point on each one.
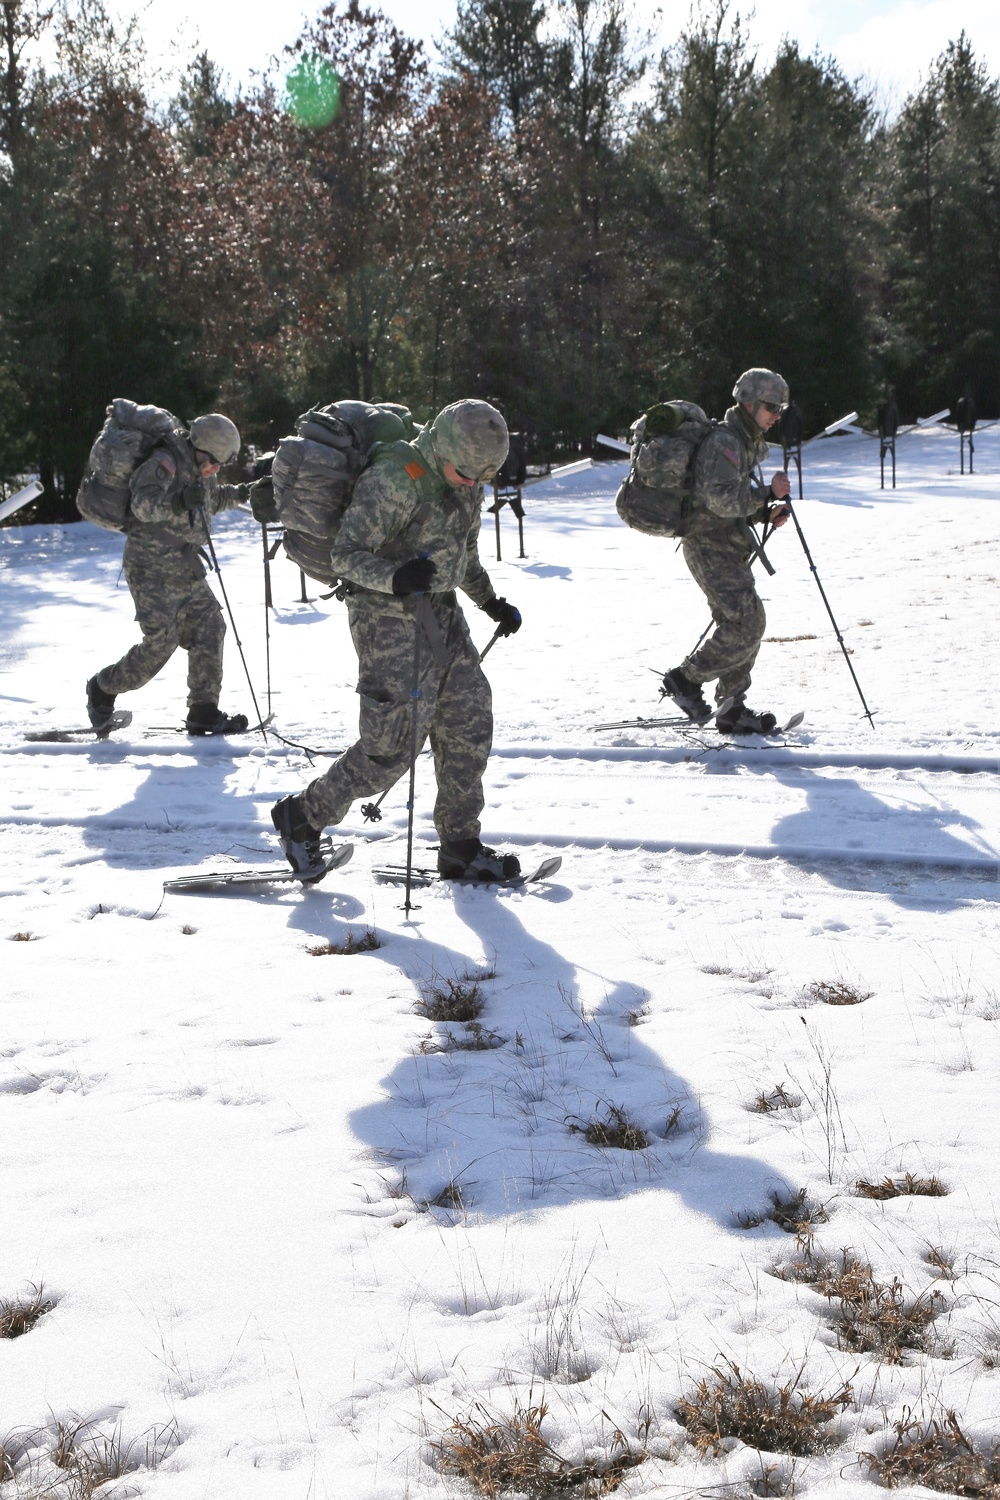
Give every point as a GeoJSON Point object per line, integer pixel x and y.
{"type": "Point", "coordinates": [173, 608]}
{"type": "Point", "coordinates": [721, 569]}
{"type": "Point", "coordinates": [455, 709]}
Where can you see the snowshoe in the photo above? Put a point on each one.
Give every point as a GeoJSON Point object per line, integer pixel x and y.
{"type": "Point", "coordinates": [100, 707]}
{"type": "Point", "coordinates": [301, 842]}
{"type": "Point", "coordinates": [468, 859]}
{"type": "Point", "coordinates": [687, 695]}
{"type": "Point", "coordinates": [208, 718]}
{"type": "Point", "coordinates": [738, 719]}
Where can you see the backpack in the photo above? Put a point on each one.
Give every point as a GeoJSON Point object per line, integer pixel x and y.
{"type": "Point", "coordinates": [657, 496]}
{"type": "Point", "coordinates": [126, 440]}
{"type": "Point", "coordinates": [315, 471]}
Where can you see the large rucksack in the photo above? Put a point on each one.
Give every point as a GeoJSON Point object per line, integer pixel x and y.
{"type": "Point", "coordinates": [126, 440]}
{"type": "Point", "coordinates": [315, 471]}
{"type": "Point", "coordinates": [657, 497]}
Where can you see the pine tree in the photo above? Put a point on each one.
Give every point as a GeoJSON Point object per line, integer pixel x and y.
{"type": "Point", "coordinates": [945, 199]}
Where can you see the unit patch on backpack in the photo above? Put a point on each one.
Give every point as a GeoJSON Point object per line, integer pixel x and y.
{"type": "Point", "coordinates": [126, 440]}
{"type": "Point", "coordinates": [315, 471]}
{"type": "Point", "coordinates": [657, 497]}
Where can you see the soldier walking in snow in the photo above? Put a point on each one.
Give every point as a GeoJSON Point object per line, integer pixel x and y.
{"type": "Point", "coordinates": [718, 546]}
{"type": "Point", "coordinates": [407, 541]}
{"type": "Point", "coordinates": [172, 495]}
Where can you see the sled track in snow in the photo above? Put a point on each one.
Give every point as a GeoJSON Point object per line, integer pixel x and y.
{"type": "Point", "coordinates": [682, 754]}
{"type": "Point", "coordinates": [982, 867]}
{"type": "Point", "coordinates": [758, 755]}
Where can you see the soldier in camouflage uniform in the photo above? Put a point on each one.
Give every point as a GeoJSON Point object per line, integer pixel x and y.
{"type": "Point", "coordinates": [408, 540]}
{"type": "Point", "coordinates": [718, 546]}
{"type": "Point", "coordinates": [163, 566]}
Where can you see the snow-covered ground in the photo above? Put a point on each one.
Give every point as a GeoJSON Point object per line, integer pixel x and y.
{"type": "Point", "coordinates": [220, 1152]}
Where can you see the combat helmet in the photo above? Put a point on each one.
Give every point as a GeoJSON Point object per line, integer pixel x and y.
{"type": "Point", "coordinates": [761, 385]}
{"type": "Point", "coordinates": [216, 435]}
{"type": "Point", "coordinates": [471, 435]}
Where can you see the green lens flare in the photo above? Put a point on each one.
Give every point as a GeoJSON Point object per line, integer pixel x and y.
{"type": "Point", "coordinates": [312, 92]}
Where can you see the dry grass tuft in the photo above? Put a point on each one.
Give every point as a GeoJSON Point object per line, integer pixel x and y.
{"type": "Point", "coordinates": [615, 1130]}
{"type": "Point", "coordinates": [941, 1263]}
{"type": "Point", "coordinates": [366, 943]}
{"type": "Point", "coordinates": [90, 1463]}
{"type": "Point", "coordinates": [874, 1317]}
{"type": "Point", "coordinates": [20, 1314]}
{"type": "Point", "coordinates": [817, 1270]}
{"type": "Point", "coordinates": [778, 1098]}
{"type": "Point", "coordinates": [475, 1038]}
{"type": "Point", "coordinates": [786, 1420]}
{"type": "Point", "coordinates": [836, 992]}
{"type": "Point", "coordinates": [11, 1449]}
{"type": "Point", "coordinates": [450, 1196]}
{"type": "Point", "coordinates": [23, 937]}
{"type": "Point", "coordinates": [452, 999]}
{"type": "Point", "coordinates": [937, 1454]}
{"type": "Point", "coordinates": [909, 1186]}
{"type": "Point", "coordinates": [503, 1454]}
{"type": "Point", "coordinates": [795, 1215]}
{"type": "Point", "coordinates": [773, 1480]}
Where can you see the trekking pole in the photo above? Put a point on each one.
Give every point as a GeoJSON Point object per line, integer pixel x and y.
{"type": "Point", "coordinates": [415, 696]}
{"type": "Point", "coordinates": [840, 638]}
{"type": "Point", "coordinates": [268, 605]}
{"type": "Point", "coordinates": [766, 535]}
{"type": "Point", "coordinates": [491, 643]}
{"type": "Point", "coordinates": [236, 635]}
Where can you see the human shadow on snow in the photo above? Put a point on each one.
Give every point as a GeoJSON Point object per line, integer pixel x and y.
{"type": "Point", "coordinates": [183, 815]}
{"type": "Point", "coordinates": [501, 1130]}
{"type": "Point", "coordinates": [928, 865]}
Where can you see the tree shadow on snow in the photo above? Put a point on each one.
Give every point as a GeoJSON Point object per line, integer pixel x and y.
{"type": "Point", "coordinates": [491, 1117]}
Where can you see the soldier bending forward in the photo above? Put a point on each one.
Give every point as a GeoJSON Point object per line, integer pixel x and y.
{"type": "Point", "coordinates": [174, 606]}
{"type": "Point", "coordinates": [718, 546]}
{"type": "Point", "coordinates": [408, 540]}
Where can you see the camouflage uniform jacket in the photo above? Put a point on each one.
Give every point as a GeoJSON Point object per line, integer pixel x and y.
{"type": "Point", "coordinates": [726, 493]}
{"type": "Point", "coordinates": [154, 485]}
{"type": "Point", "coordinates": [403, 507]}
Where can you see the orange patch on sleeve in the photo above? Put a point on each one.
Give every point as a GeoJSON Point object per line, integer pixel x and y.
{"type": "Point", "coordinates": [415, 471]}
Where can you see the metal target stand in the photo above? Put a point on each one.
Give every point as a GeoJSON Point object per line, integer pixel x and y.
{"type": "Point", "coordinates": [888, 426]}
{"type": "Point", "coordinates": [508, 487]}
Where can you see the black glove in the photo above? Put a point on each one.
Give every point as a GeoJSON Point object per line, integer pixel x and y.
{"type": "Point", "coordinates": [189, 498]}
{"type": "Point", "coordinates": [414, 577]}
{"type": "Point", "coordinates": [262, 502]}
{"type": "Point", "coordinates": [506, 616]}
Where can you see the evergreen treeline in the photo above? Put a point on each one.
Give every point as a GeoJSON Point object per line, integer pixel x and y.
{"type": "Point", "coordinates": [516, 226]}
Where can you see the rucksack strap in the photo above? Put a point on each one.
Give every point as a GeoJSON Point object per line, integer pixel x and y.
{"type": "Point", "coordinates": [192, 554]}
{"type": "Point", "coordinates": [755, 543]}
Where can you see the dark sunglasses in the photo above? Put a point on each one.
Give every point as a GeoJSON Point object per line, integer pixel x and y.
{"type": "Point", "coordinates": [774, 407]}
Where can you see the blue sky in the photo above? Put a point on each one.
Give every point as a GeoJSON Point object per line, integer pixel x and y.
{"type": "Point", "coordinates": [891, 42]}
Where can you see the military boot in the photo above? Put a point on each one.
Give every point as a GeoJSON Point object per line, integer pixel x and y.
{"type": "Point", "coordinates": [468, 859]}
{"type": "Point", "coordinates": [738, 719]}
{"type": "Point", "coordinates": [208, 718]}
{"type": "Point", "coordinates": [299, 839]}
{"type": "Point", "coordinates": [100, 705]}
{"type": "Point", "coordinates": [687, 695]}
